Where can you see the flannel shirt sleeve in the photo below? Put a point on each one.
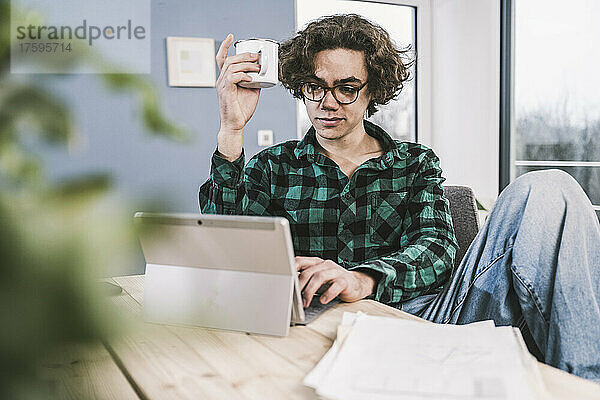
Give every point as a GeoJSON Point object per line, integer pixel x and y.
{"type": "Point", "coordinates": [233, 189]}
{"type": "Point", "coordinates": [426, 261]}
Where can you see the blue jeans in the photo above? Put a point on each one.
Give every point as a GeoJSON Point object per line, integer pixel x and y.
{"type": "Point", "coordinates": [535, 264]}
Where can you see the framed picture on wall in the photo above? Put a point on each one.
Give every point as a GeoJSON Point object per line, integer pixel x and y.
{"type": "Point", "coordinates": [191, 61]}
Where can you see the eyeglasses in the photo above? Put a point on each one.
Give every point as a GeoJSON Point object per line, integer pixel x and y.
{"type": "Point", "coordinates": [343, 94]}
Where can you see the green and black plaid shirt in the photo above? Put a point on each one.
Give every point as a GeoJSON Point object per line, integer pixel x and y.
{"type": "Point", "coordinates": [389, 219]}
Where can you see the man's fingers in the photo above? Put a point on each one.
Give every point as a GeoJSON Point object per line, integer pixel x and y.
{"type": "Point", "coordinates": [323, 288]}
{"type": "Point", "coordinates": [244, 67]}
{"type": "Point", "coordinates": [334, 290]}
{"type": "Point", "coordinates": [305, 276]}
{"type": "Point", "coordinates": [239, 58]}
{"type": "Point", "coordinates": [223, 49]}
{"type": "Point", "coordinates": [240, 77]}
{"type": "Point", "coordinates": [316, 281]}
{"type": "Point", "coordinates": [305, 262]}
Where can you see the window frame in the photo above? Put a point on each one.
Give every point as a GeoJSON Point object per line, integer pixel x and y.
{"type": "Point", "coordinates": [506, 91]}
{"type": "Point", "coordinates": [507, 157]}
{"type": "Point", "coordinates": [423, 75]}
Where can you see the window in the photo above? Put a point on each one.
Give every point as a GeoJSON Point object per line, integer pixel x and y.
{"type": "Point", "coordinates": [399, 117]}
{"type": "Point", "coordinates": [555, 120]}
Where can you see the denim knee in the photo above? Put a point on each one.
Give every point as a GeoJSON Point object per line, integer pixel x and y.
{"type": "Point", "coordinates": [549, 178]}
{"type": "Point", "coordinates": [551, 182]}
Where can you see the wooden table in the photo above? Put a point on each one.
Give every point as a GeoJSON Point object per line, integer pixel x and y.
{"type": "Point", "coordinates": [153, 361]}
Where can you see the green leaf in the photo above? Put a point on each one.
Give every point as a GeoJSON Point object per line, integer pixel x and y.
{"type": "Point", "coordinates": [480, 206]}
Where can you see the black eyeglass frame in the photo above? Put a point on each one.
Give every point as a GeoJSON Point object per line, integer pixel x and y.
{"type": "Point", "coordinates": [331, 89]}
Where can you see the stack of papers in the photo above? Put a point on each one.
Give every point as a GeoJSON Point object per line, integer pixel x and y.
{"type": "Point", "coordinates": [390, 358]}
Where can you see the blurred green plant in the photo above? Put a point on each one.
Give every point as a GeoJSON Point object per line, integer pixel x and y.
{"type": "Point", "coordinates": [54, 236]}
{"type": "Point", "coordinates": [480, 206]}
{"type": "Point", "coordinates": [27, 107]}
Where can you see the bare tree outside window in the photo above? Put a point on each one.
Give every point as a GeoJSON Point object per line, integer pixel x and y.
{"type": "Point", "coordinates": [556, 102]}
{"type": "Point", "coordinates": [548, 138]}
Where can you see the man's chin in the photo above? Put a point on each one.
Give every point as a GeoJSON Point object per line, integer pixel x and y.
{"type": "Point", "coordinates": [330, 133]}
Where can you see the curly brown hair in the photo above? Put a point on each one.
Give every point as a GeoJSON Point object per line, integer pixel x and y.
{"type": "Point", "coordinates": [387, 65]}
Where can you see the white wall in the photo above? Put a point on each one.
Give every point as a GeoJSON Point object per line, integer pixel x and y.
{"type": "Point", "coordinates": [465, 92]}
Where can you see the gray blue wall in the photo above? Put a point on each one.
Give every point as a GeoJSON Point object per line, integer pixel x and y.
{"type": "Point", "coordinates": [147, 168]}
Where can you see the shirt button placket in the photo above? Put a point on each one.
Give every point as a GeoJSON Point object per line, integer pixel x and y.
{"type": "Point", "coordinates": [347, 215]}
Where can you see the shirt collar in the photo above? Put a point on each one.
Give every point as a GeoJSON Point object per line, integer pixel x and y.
{"type": "Point", "coordinates": [391, 150]}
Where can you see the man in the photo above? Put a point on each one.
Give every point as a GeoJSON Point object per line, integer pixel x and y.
{"type": "Point", "coordinates": [368, 215]}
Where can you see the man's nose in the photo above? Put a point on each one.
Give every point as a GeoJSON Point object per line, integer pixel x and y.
{"type": "Point", "coordinates": [329, 102]}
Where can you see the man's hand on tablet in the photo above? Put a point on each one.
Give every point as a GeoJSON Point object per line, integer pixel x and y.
{"type": "Point", "coordinates": [347, 285]}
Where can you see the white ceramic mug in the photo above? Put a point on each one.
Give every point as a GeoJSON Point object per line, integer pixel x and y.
{"type": "Point", "coordinates": [268, 52]}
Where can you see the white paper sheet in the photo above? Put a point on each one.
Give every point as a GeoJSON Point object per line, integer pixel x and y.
{"type": "Point", "coordinates": [390, 358]}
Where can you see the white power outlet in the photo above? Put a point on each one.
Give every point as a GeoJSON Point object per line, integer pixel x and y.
{"type": "Point", "coordinates": [265, 137]}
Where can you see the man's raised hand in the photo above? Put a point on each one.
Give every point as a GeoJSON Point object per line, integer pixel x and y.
{"type": "Point", "coordinates": [236, 103]}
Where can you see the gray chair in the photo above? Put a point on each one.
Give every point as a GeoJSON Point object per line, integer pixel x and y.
{"type": "Point", "coordinates": [463, 210]}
